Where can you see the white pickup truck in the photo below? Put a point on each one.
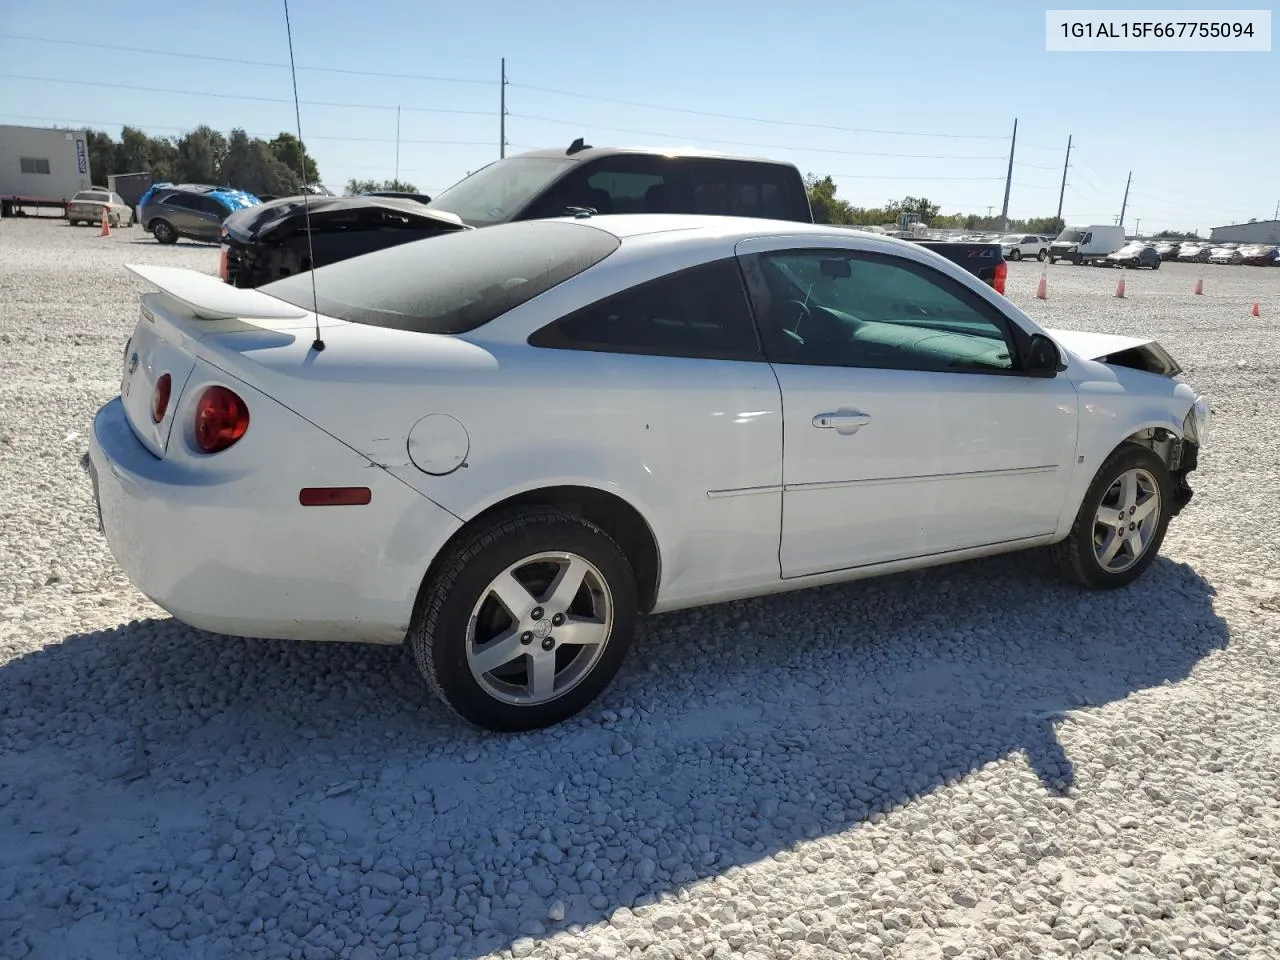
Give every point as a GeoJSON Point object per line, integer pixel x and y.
{"type": "Point", "coordinates": [1019, 245]}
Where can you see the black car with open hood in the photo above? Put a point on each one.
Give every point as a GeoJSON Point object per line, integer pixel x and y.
{"type": "Point", "coordinates": [271, 241]}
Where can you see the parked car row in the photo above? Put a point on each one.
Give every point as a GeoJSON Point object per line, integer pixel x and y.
{"type": "Point", "coordinates": [1204, 251]}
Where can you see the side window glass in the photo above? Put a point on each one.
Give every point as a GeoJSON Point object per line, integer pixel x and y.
{"type": "Point", "coordinates": [628, 192]}
{"type": "Point", "coordinates": [1088, 238]}
{"type": "Point", "coordinates": [214, 208]}
{"type": "Point", "coordinates": [864, 310]}
{"type": "Point", "coordinates": [700, 312]}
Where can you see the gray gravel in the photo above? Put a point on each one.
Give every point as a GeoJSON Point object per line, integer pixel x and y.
{"type": "Point", "coordinates": [973, 762]}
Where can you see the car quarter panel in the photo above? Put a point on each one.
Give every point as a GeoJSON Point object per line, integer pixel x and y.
{"type": "Point", "coordinates": [265, 566]}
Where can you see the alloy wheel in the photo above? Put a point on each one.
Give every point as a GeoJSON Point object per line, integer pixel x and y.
{"type": "Point", "coordinates": [1126, 520]}
{"type": "Point", "coordinates": [539, 628]}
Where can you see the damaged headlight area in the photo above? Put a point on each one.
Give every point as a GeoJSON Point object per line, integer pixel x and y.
{"type": "Point", "coordinates": [1195, 426]}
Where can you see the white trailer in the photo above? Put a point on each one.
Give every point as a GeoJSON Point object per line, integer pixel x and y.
{"type": "Point", "coordinates": [42, 167]}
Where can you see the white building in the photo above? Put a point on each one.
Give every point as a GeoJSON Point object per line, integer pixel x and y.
{"type": "Point", "coordinates": [38, 163]}
{"type": "Point", "coordinates": [1258, 231]}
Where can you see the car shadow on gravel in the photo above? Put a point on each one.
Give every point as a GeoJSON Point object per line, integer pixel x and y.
{"type": "Point", "coordinates": [160, 783]}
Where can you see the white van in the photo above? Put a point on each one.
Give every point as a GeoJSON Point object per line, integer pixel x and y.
{"type": "Point", "coordinates": [1087, 244]}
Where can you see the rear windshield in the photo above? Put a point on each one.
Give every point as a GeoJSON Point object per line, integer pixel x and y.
{"type": "Point", "coordinates": [92, 195]}
{"type": "Point", "coordinates": [453, 283]}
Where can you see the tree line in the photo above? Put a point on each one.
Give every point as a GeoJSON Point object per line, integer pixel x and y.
{"type": "Point", "coordinates": [828, 208]}
{"type": "Point", "coordinates": [276, 167]}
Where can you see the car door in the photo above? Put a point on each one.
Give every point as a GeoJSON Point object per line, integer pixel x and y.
{"type": "Point", "coordinates": [209, 216]}
{"type": "Point", "coordinates": [180, 210]}
{"type": "Point", "coordinates": [908, 429]}
{"type": "Point", "coordinates": [676, 405]}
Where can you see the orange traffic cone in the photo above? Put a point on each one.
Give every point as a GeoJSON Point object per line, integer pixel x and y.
{"type": "Point", "coordinates": [1042, 292]}
{"type": "Point", "coordinates": [1200, 287]}
{"type": "Point", "coordinates": [1255, 310]}
{"type": "Point", "coordinates": [1120, 285]}
{"type": "Point", "coordinates": [106, 223]}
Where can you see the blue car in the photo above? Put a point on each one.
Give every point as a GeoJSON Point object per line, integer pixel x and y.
{"type": "Point", "coordinates": [192, 210]}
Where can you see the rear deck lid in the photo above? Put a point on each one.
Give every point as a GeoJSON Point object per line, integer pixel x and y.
{"type": "Point", "coordinates": [148, 357]}
{"type": "Point", "coordinates": [164, 342]}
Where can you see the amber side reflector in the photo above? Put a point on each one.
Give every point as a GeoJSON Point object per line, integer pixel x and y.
{"type": "Point", "coordinates": [334, 496]}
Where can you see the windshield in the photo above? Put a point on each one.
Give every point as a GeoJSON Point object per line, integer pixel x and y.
{"type": "Point", "coordinates": [1070, 236]}
{"type": "Point", "coordinates": [495, 193]}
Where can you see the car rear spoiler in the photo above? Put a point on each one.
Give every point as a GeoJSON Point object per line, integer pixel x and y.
{"type": "Point", "coordinates": [208, 298]}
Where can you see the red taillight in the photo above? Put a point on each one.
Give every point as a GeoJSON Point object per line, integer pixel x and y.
{"type": "Point", "coordinates": [221, 419]}
{"type": "Point", "coordinates": [334, 496]}
{"type": "Point", "coordinates": [160, 398]}
{"type": "Point", "coordinates": [1002, 274]}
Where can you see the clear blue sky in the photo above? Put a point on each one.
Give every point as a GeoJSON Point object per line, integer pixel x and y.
{"type": "Point", "coordinates": [1200, 131]}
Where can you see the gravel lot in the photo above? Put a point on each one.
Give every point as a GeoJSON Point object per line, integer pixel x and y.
{"type": "Point", "coordinates": [974, 762]}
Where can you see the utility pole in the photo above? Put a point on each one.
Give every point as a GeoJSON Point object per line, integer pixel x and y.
{"type": "Point", "coordinates": [397, 144]}
{"type": "Point", "coordinates": [502, 112]}
{"type": "Point", "coordinates": [1125, 202]}
{"type": "Point", "coordinates": [1276, 216]}
{"type": "Point", "coordinates": [1065, 163]}
{"type": "Point", "coordinates": [1008, 178]}
{"type": "Point", "coordinates": [1137, 227]}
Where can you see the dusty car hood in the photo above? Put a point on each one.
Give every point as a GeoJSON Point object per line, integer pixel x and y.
{"type": "Point", "coordinates": [1141, 353]}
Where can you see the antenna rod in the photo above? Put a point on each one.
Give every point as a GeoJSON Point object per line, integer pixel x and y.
{"type": "Point", "coordinates": [318, 344]}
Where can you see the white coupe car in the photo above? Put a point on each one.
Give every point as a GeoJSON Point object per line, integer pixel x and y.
{"type": "Point", "coordinates": [503, 446]}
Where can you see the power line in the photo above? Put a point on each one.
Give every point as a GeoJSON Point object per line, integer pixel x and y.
{"type": "Point", "coordinates": [735, 116]}
{"type": "Point", "coordinates": [237, 96]}
{"type": "Point", "coordinates": [311, 136]}
{"type": "Point", "coordinates": [246, 63]}
{"type": "Point", "coordinates": [862, 176]}
{"type": "Point", "coordinates": [744, 143]}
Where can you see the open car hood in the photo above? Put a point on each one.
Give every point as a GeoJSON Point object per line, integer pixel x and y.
{"type": "Point", "coordinates": [1137, 352]}
{"type": "Point", "coordinates": [287, 216]}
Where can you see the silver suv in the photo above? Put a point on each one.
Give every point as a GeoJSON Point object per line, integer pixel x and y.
{"type": "Point", "coordinates": [193, 210]}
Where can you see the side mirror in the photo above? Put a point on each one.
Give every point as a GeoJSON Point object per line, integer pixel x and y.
{"type": "Point", "coordinates": [1043, 357]}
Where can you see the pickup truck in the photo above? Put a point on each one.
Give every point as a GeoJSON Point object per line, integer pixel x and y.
{"type": "Point", "coordinates": [273, 240]}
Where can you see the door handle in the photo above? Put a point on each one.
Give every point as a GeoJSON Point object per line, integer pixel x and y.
{"type": "Point", "coordinates": [845, 422]}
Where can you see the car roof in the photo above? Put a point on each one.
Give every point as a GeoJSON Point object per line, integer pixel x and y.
{"type": "Point", "coordinates": [722, 229]}
{"type": "Point", "coordinates": [593, 153]}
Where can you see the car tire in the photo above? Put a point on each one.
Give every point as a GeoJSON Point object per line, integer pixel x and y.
{"type": "Point", "coordinates": [1131, 477]}
{"type": "Point", "coordinates": [523, 554]}
{"type": "Point", "coordinates": [1041, 256]}
{"type": "Point", "coordinates": [1015, 254]}
{"type": "Point", "coordinates": [163, 231]}
{"type": "Point", "coordinates": [1155, 265]}
{"type": "Point", "coordinates": [1053, 259]}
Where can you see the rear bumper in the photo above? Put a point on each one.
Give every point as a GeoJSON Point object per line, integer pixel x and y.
{"type": "Point", "coordinates": [237, 554]}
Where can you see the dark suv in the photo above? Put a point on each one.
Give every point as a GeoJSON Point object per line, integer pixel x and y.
{"type": "Point", "coordinates": [551, 183]}
{"type": "Point", "coordinates": [194, 210]}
